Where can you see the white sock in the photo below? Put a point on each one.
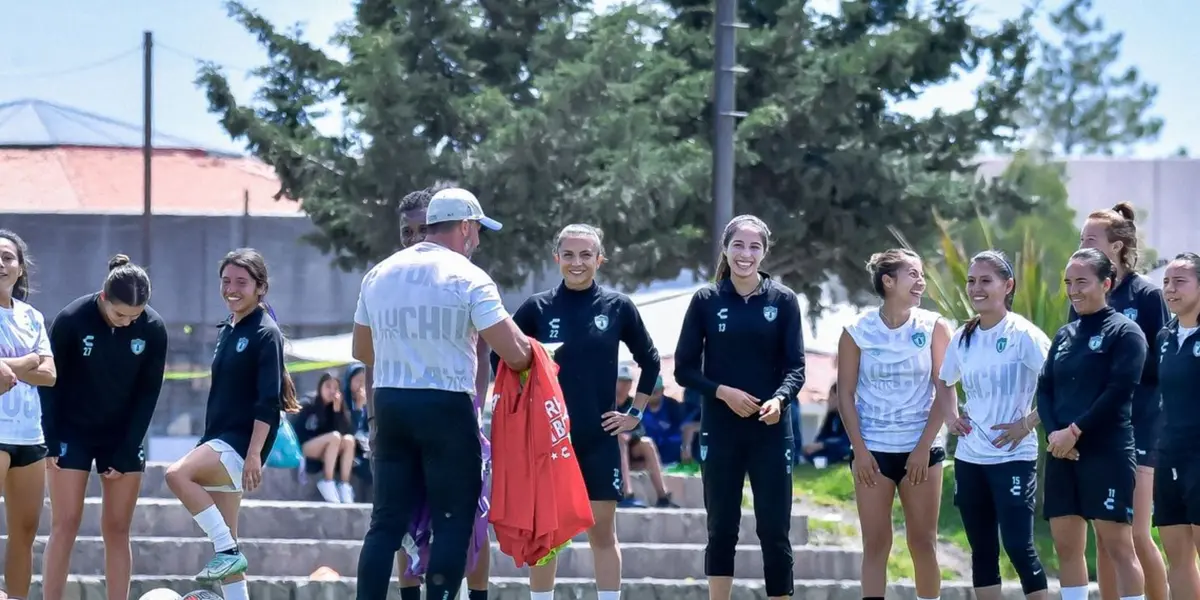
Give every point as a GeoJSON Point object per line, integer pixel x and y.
{"type": "Point", "coordinates": [1143, 597]}
{"type": "Point", "coordinates": [1078, 592]}
{"type": "Point", "coordinates": [920, 598]}
{"type": "Point", "coordinates": [541, 595]}
{"type": "Point", "coordinates": [235, 591]}
{"type": "Point", "coordinates": [601, 595]}
{"type": "Point", "coordinates": [213, 524]}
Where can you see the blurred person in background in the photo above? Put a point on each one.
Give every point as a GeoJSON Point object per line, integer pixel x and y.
{"type": "Point", "coordinates": [354, 392]}
{"type": "Point", "coordinates": [325, 430]}
{"type": "Point", "coordinates": [640, 448]}
{"type": "Point", "coordinates": [689, 445]}
{"type": "Point", "coordinates": [832, 444]}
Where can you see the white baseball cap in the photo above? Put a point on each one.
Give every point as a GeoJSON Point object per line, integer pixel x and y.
{"type": "Point", "coordinates": [457, 204]}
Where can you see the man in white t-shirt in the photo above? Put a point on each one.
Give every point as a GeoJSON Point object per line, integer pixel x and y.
{"type": "Point", "coordinates": [420, 313]}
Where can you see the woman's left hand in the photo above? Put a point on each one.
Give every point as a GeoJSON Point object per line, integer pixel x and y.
{"type": "Point", "coordinates": [917, 466]}
{"type": "Point", "coordinates": [1012, 434]}
{"type": "Point", "coordinates": [770, 411]}
{"type": "Point", "coordinates": [616, 422]}
{"type": "Point", "coordinates": [1061, 443]}
{"type": "Point", "coordinates": [252, 473]}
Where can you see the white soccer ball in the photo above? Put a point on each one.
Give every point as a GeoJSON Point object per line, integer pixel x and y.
{"type": "Point", "coordinates": [161, 594]}
{"type": "Point", "coordinates": [202, 595]}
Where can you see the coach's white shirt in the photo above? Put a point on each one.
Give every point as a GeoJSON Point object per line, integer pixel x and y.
{"type": "Point", "coordinates": [999, 374]}
{"type": "Point", "coordinates": [22, 332]}
{"type": "Point", "coordinates": [425, 306]}
{"type": "Point", "coordinates": [894, 395]}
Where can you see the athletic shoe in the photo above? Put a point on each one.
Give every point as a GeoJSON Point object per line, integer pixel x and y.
{"type": "Point", "coordinates": [345, 492]}
{"type": "Point", "coordinates": [665, 502]}
{"type": "Point", "coordinates": [329, 491]}
{"type": "Point", "coordinates": [222, 566]}
{"type": "Point", "coordinates": [631, 502]}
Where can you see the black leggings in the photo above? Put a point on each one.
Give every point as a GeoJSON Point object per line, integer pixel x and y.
{"type": "Point", "coordinates": [424, 439]}
{"type": "Point", "coordinates": [767, 458]}
{"type": "Point", "coordinates": [996, 503]}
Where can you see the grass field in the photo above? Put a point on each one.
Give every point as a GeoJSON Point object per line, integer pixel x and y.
{"type": "Point", "coordinates": [834, 488]}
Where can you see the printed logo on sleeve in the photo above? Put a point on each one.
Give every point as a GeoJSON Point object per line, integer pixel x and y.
{"type": "Point", "coordinates": [1132, 313]}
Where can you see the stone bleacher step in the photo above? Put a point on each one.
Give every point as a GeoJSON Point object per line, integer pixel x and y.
{"type": "Point", "coordinates": [301, 588]}
{"type": "Point", "coordinates": [284, 484]}
{"type": "Point", "coordinates": [166, 517]}
{"type": "Point", "coordinates": [282, 557]}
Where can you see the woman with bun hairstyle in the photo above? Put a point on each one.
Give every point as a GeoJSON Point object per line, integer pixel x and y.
{"type": "Point", "coordinates": [895, 407]}
{"type": "Point", "coordinates": [112, 351]}
{"type": "Point", "coordinates": [1114, 233]}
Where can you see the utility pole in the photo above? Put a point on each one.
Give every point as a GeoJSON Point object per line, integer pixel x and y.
{"type": "Point", "coordinates": [725, 115]}
{"type": "Point", "coordinates": [147, 143]}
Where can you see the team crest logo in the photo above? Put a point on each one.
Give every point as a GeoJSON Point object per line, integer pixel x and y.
{"type": "Point", "coordinates": [919, 339]}
{"type": "Point", "coordinates": [601, 322]}
{"type": "Point", "coordinates": [1001, 344]}
{"type": "Point", "coordinates": [1196, 349]}
{"type": "Point", "coordinates": [137, 346]}
{"type": "Point", "coordinates": [1131, 313]}
{"type": "Point", "coordinates": [1095, 342]}
{"type": "Point", "coordinates": [242, 343]}
{"type": "Point", "coordinates": [770, 312]}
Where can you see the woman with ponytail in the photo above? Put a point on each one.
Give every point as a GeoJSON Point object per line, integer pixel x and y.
{"type": "Point", "coordinates": [742, 349]}
{"type": "Point", "coordinates": [250, 386]}
{"type": "Point", "coordinates": [26, 363]}
{"type": "Point", "coordinates": [112, 351]}
{"type": "Point", "coordinates": [1114, 233]}
{"type": "Point", "coordinates": [997, 355]}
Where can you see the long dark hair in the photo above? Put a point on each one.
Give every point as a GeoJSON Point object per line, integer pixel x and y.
{"type": "Point", "coordinates": [996, 260]}
{"type": "Point", "coordinates": [253, 262]}
{"type": "Point", "coordinates": [21, 288]}
{"type": "Point", "coordinates": [734, 225]}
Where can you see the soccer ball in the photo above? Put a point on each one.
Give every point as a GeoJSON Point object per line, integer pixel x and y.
{"type": "Point", "coordinates": [202, 595]}
{"type": "Point", "coordinates": [160, 594]}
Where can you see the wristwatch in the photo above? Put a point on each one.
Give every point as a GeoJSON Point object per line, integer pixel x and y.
{"type": "Point", "coordinates": [634, 412]}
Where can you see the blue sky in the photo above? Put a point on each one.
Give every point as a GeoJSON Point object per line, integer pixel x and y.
{"type": "Point", "coordinates": [87, 55]}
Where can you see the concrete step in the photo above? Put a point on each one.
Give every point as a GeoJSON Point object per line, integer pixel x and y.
{"type": "Point", "coordinates": [279, 557]}
{"type": "Point", "coordinates": [502, 588]}
{"type": "Point", "coordinates": [285, 484]}
{"type": "Point", "coordinates": [166, 517]}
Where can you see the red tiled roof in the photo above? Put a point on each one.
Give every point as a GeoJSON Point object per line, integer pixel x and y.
{"type": "Point", "coordinates": [72, 179]}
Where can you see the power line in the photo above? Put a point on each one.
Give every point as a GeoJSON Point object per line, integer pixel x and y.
{"type": "Point", "coordinates": [189, 56]}
{"type": "Point", "coordinates": [72, 70]}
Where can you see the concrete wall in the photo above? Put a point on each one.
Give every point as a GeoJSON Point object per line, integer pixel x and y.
{"type": "Point", "coordinates": [1167, 189]}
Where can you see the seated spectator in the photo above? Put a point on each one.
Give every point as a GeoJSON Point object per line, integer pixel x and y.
{"type": "Point", "coordinates": [638, 451]}
{"type": "Point", "coordinates": [832, 443]}
{"type": "Point", "coordinates": [689, 448]}
{"type": "Point", "coordinates": [354, 389]}
{"type": "Point", "coordinates": [325, 432]}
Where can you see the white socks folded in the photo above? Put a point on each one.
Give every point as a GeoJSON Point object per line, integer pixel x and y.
{"type": "Point", "coordinates": [213, 524]}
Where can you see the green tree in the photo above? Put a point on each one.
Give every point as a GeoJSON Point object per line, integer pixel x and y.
{"type": "Point", "coordinates": [556, 115]}
{"type": "Point", "coordinates": [1079, 101]}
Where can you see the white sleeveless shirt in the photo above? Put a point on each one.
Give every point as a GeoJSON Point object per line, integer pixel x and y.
{"type": "Point", "coordinates": [894, 395]}
{"type": "Point", "coordinates": [22, 331]}
{"type": "Point", "coordinates": [999, 373]}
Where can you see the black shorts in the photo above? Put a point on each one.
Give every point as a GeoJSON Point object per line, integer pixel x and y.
{"type": "Point", "coordinates": [82, 456]}
{"type": "Point", "coordinates": [1008, 486]}
{"type": "Point", "coordinates": [23, 455]}
{"type": "Point", "coordinates": [1177, 493]}
{"type": "Point", "coordinates": [600, 464]}
{"type": "Point", "coordinates": [1147, 425]}
{"type": "Point", "coordinates": [894, 465]}
{"type": "Point", "coordinates": [1097, 487]}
